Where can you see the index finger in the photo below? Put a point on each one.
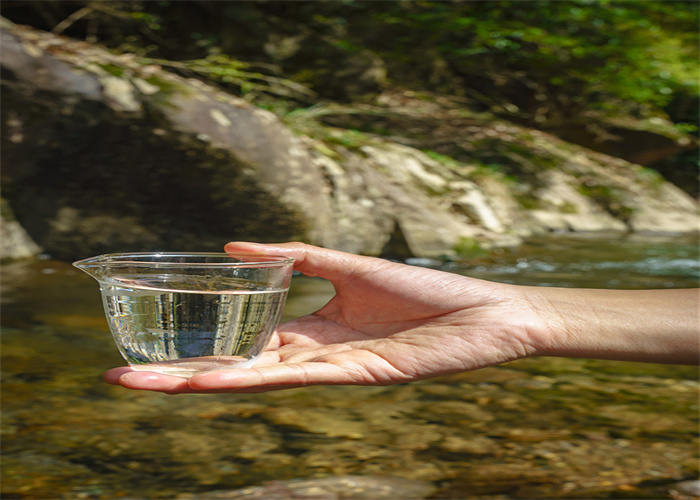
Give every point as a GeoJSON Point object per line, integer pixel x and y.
{"type": "Point", "coordinates": [310, 260]}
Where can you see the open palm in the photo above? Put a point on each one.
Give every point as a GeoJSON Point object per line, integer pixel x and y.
{"type": "Point", "coordinates": [388, 323]}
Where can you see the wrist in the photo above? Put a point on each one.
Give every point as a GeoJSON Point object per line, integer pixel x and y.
{"type": "Point", "coordinates": [636, 325]}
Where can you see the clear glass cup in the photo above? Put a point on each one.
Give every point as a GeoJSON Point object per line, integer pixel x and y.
{"type": "Point", "coordinates": [185, 313]}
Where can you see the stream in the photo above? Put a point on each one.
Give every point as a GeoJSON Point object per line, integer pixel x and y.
{"type": "Point", "coordinates": [535, 428]}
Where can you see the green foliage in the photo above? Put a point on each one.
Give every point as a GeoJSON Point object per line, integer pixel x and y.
{"type": "Point", "coordinates": [229, 71]}
{"type": "Point", "coordinates": [610, 198]}
{"type": "Point", "coordinates": [546, 64]}
{"type": "Point", "coordinates": [469, 248]}
{"type": "Point", "coordinates": [305, 121]}
{"type": "Point", "coordinates": [599, 54]}
{"type": "Point", "coordinates": [112, 69]}
{"type": "Point", "coordinates": [443, 159]}
{"type": "Point", "coordinates": [538, 58]}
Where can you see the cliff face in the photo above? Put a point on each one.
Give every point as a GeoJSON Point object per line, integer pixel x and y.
{"type": "Point", "coordinates": [103, 153]}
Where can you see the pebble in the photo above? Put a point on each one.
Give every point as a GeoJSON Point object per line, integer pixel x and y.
{"type": "Point", "coordinates": [690, 488]}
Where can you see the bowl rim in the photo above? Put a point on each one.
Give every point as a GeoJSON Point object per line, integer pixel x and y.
{"type": "Point", "coordinates": [151, 259]}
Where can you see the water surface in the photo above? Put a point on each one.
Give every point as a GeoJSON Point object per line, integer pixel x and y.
{"type": "Point", "coordinates": [536, 428]}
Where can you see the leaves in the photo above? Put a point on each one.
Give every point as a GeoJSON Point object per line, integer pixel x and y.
{"type": "Point", "coordinates": [545, 62]}
{"type": "Point", "coordinates": [224, 69]}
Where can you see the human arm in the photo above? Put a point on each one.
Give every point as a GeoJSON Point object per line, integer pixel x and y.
{"type": "Point", "coordinates": [391, 323]}
{"type": "Point", "coordinates": [656, 326]}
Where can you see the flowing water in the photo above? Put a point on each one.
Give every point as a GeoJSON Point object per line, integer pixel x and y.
{"type": "Point", "coordinates": [536, 428]}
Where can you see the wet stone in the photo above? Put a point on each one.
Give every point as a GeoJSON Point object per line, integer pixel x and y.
{"type": "Point", "coordinates": [492, 375]}
{"type": "Point", "coordinates": [533, 434]}
{"type": "Point", "coordinates": [531, 383]}
{"type": "Point", "coordinates": [380, 415]}
{"type": "Point", "coordinates": [349, 487]}
{"type": "Point", "coordinates": [412, 436]}
{"type": "Point", "coordinates": [478, 445]}
{"type": "Point", "coordinates": [329, 423]}
{"type": "Point", "coordinates": [689, 489]}
{"type": "Point", "coordinates": [39, 475]}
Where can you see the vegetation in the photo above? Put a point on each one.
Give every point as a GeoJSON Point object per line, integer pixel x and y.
{"type": "Point", "coordinates": [570, 67]}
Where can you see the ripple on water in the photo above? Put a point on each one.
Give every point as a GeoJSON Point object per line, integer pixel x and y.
{"type": "Point", "coordinates": [536, 428]}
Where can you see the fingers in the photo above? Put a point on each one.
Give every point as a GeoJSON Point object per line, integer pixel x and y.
{"type": "Point", "coordinates": [270, 377]}
{"type": "Point", "coordinates": [112, 376]}
{"type": "Point", "coordinates": [245, 380]}
{"type": "Point", "coordinates": [146, 381]}
{"type": "Point", "coordinates": [308, 259]}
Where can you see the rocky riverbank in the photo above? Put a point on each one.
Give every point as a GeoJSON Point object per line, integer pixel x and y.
{"type": "Point", "coordinates": [108, 152]}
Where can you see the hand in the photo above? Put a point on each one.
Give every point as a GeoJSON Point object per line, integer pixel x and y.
{"type": "Point", "coordinates": [388, 323]}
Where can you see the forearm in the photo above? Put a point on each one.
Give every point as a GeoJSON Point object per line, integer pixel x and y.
{"type": "Point", "coordinates": [658, 326]}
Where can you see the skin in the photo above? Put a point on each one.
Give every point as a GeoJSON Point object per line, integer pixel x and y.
{"type": "Point", "coordinates": [391, 323]}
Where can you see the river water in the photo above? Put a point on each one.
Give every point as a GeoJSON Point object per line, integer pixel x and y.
{"type": "Point", "coordinates": [536, 428]}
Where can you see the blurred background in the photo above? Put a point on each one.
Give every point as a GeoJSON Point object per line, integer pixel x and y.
{"type": "Point", "coordinates": [387, 128]}
{"type": "Point", "coordinates": [539, 143]}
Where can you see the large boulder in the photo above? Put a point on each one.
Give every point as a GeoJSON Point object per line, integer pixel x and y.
{"type": "Point", "coordinates": [104, 153]}
{"type": "Point", "coordinates": [15, 243]}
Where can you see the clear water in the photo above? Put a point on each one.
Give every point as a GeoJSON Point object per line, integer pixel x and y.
{"type": "Point", "coordinates": [535, 428]}
{"type": "Point", "coordinates": [167, 326]}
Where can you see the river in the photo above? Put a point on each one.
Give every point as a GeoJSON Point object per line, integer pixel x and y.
{"type": "Point", "coordinates": [536, 428]}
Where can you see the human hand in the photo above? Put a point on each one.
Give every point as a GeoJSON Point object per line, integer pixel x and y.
{"type": "Point", "coordinates": [388, 323]}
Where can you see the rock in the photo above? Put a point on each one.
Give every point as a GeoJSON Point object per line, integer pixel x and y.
{"type": "Point", "coordinates": [316, 421]}
{"type": "Point", "coordinates": [414, 193]}
{"type": "Point", "coordinates": [490, 375]}
{"type": "Point", "coordinates": [643, 142]}
{"type": "Point", "coordinates": [534, 435]}
{"type": "Point", "coordinates": [71, 228]}
{"type": "Point", "coordinates": [475, 446]}
{"type": "Point", "coordinates": [415, 437]}
{"type": "Point", "coordinates": [330, 488]}
{"type": "Point", "coordinates": [686, 489]}
{"type": "Point", "coordinates": [458, 410]}
{"type": "Point", "coordinates": [389, 193]}
{"type": "Point", "coordinates": [473, 204]}
{"type": "Point", "coordinates": [15, 243]}
{"type": "Point", "coordinates": [566, 209]}
{"type": "Point", "coordinates": [198, 169]}
{"type": "Point", "coordinates": [281, 164]}
{"type": "Point", "coordinates": [652, 213]}
{"type": "Point", "coordinates": [29, 471]}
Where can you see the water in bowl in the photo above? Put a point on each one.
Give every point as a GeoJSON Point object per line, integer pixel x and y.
{"type": "Point", "coordinates": [162, 325]}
